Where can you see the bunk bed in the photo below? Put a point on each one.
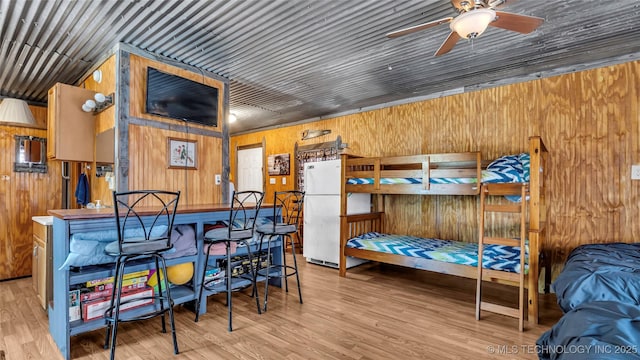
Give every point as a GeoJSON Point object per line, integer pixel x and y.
{"type": "Point", "coordinates": [362, 235]}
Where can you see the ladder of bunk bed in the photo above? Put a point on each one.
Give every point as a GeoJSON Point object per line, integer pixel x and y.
{"type": "Point", "coordinates": [516, 189]}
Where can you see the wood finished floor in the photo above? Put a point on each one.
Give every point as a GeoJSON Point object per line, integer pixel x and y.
{"type": "Point", "coordinates": [377, 312]}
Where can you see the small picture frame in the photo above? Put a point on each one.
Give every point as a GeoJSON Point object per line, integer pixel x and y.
{"type": "Point", "coordinates": [278, 164]}
{"type": "Point", "coordinates": [182, 154]}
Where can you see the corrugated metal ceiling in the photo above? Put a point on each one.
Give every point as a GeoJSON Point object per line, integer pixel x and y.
{"type": "Point", "coordinates": [290, 61]}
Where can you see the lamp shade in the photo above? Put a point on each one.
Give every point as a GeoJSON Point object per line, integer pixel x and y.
{"type": "Point", "coordinates": [16, 111]}
{"type": "Point", "coordinates": [472, 23]}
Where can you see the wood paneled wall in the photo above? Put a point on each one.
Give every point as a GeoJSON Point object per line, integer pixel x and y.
{"type": "Point", "coordinates": [588, 121]}
{"type": "Point", "coordinates": [148, 151]}
{"type": "Point", "coordinates": [104, 121]}
{"type": "Point", "coordinates": [148, 155]}
{"type": "Point", "coordinates": [23, 195]}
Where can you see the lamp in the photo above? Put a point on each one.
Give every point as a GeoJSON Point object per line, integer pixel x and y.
{"type": "Point", "coordinates": [16, 111]}
{"type": "Point", "coordinates": [98, 103]}
{"type": "Point", "coordinates": [232, 118]}
{"type": "Point", "coordinates": [97, 76]}
{"type": "Point", "coordinates": [472, 24]}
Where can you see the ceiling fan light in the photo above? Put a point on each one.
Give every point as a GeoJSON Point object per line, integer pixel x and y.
{"type": "Point", "coordinates": [473, 23]}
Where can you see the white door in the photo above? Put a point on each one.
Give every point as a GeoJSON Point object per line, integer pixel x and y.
{"type": "Point", "coordinates": [250, 170]}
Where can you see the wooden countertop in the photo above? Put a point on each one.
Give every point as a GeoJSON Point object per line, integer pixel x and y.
{"type": "Point", "coordinates": [74, 214]}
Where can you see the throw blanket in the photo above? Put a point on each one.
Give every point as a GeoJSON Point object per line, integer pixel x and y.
{"type": "Point", "coordinates": [495, 257]}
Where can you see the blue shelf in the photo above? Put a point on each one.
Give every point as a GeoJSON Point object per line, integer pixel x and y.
{"type": "Point", "coordinates": [89, 273]}
{"type": "Point", "coordinates": [59, 326]}
{"type": "Point", "coordinates": [180, 295]}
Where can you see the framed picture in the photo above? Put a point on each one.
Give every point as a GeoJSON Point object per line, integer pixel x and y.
{"type": "Point", "coordinates": [182, 154]}
{"type": "Point", "coordinates": [278, 164]}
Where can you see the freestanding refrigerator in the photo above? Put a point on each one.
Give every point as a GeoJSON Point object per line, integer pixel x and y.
{"type": "Point", "coordinates": [322, 213]}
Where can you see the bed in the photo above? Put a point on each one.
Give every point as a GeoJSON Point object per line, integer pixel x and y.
{"type": "Point", "coordinates": [594, 330]}
{"type": "Point", "coordinates": [443, 174]}
{"type": "Point", "coordinates": [599, 292]}
{"type": "Point", "coordinates": [599, 272]}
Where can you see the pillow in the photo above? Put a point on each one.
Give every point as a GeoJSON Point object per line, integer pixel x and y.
{"type": "Point", "coordinates": [88, 248]}
{"type": "Point", "coordinates": [505, 169]}
{"type": "Point", "coordinates": [525, 161]}
{"type": "Point", "coordinates": [112, 234]}
{"type": "Point", "coordinates": [183, 238]}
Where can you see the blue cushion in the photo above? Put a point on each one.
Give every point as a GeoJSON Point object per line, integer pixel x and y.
{"type": "Point", "coordinates": [279, 229]}
{"type": "Point", "coordinates": [223, 234]}
{"type": "Point", "coordinates": [88, 248]}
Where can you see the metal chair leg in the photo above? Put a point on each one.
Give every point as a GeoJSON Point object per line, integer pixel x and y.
{"type": "Point", "coordinates": [169, 300]}
{"type": "Point", "coordinates": [115, 312]}
{"type": "Point", "coordinates": [266, 281]}
{"type": "Point", "coordinates": [295, 265]}
{"type": "Point", "coordinates": [229, 286]}
{"type": "Point", "coordinates": [254, 284]}
{"type": "Point", "coordinates": [201, 288]}
{"type": "Point", "coordinates": [107, 342]}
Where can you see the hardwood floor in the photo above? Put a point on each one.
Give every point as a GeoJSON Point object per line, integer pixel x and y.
{"type": "Point", "coordinates": [377, 312]}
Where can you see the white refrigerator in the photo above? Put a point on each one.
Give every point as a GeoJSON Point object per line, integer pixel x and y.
{"type": "Point", "coordinates": [321, 232]}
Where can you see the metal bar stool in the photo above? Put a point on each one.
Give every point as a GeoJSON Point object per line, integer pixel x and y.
{"type": "Point", "coordinates": [289, 203]}
{"type": "Point", "coordinates": [144, 220]}
{"type": "Point", "coordinates": [239, 230]}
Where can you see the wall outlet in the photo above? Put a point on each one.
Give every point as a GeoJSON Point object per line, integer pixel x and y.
{"type": "Point", "coordinates": [284, 181]}
{"type": "Point", "coordinates": [218, 179]}
{"type": "Point", "coordinates": [272, 181]}
{"type": "Point", "coordinates": [635, 172]}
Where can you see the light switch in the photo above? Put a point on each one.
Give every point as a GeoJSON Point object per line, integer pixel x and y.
{"type": "Point", "coordinates": [635, 172]}
{"type": "Point", "coordinates": [272, 181]}
{"type": "Point", "coordinates": [284, 181]}
{"type": "Point", "coordinates": [218, 179]}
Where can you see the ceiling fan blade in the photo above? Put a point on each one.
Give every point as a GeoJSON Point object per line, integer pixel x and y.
{"type": "Point", "coordinates": [521, 23]}
{"type": "Point", "coordinates": [448, 44]}
{"type": "Point", "coordinates": [419, 27]}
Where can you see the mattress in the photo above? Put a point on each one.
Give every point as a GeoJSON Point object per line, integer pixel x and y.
{"type": "Point", "coordinates": [506, 169]}
{"type": "Point", "coordinates": [595, 330]}
{"type": "Point", "coordinates": [599, 272]}
{"type": "Point", "coordinates": [495, 257]}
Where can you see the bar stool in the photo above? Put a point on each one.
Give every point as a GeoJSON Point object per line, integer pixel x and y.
{"type": "Point", "coordinates": [144, 220]}
{"type": "Point", "coordinates": [289, 204]}
{"type": "Point", "coordinates": [239, 230]}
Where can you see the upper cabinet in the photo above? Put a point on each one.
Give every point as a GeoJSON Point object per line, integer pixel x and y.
{"type": "Point", "coordinates": [70, 131]}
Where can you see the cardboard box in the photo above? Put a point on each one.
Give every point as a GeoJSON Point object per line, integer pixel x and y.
{"type": "Point", "coordinates": [102, 291]}
{"type": "Point", "coordinates": [95, 309]}
{"type": "Point", "coordinates": [109, 280]}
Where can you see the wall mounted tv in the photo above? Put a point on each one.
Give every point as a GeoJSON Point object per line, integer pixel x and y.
{"type": "Point", "coordinates": [179, 98]}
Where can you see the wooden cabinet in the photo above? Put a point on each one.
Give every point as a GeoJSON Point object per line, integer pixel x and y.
{"type": "Point", "coordinates": [41, 263]}
{"type": "Point", "coordinates": [105, 146]}
{"type": "Point", "coordinates": [70, 131]}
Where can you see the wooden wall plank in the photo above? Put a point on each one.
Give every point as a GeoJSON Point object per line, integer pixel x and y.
{"type": "Point", "coordinates": [588, 121]}
{"type": "Point", "coordinates": [23, 195]}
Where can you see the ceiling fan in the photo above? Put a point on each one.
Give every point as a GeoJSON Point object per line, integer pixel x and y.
{"type": "Point", "coordinates": [475, 16]}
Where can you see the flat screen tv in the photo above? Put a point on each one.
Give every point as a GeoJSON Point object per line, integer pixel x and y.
{"type": "Point", "coordinates": [179, 98]}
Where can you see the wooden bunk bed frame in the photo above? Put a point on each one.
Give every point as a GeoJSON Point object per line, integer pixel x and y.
{"type": "Point", "coordinates": [433, 166]}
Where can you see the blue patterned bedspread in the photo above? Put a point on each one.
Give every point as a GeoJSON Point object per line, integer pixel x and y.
{"type": "Point", "coordinates": [506, 169]}
{"type": "Point", "coordinates": [495, 257]}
